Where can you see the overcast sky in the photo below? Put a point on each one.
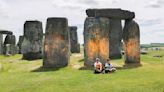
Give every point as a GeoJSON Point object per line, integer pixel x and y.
{"type": "Point", "coordinates": [149, 14]}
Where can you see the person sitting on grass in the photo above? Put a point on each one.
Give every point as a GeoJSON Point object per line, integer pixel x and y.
{"type": "Point", "coordinates": [97, 66]}
{"type": "Point", "coordinates": [109, 67]}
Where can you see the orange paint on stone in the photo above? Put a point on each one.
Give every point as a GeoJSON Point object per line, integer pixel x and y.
{"type": "Point", "coordinates": [104, 48]}
{"type": "Point", "coordinates": [92, 48]}
{"type": "Point", "coordinates": [99, 46]}
{"type": "Point", "coordinates": [132, 47]}
{"type": "Point", "coordinates": [54, 42]}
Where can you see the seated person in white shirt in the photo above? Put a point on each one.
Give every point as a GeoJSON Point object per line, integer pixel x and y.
{"type": "Point", "coordinates": [109, 67]}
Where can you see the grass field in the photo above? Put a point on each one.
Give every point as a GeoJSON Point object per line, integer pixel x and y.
{"type": "Point", "coordinates": [18, 75]}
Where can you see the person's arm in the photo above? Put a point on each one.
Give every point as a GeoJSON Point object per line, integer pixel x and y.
{"type": "Point", "coordinates": [111, 66]}
{"type": "Point", "coordinates": [100, 66]}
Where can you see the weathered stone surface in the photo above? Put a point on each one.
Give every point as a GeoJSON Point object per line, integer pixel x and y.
{"type": "Point", "coordinates": [96, 40]}
{"type": "Point", "coordinates": [74, 39]}
{"type": "Point", "coordinates": [7, 49]}
{"type": "Point", "coordinates": [20, 43]}
{"type": "Point", "coordinates": [1, 44]}
{"type": "Point", "coordinates": [10, 49]}
{"type": "Point", "coordinates": [31, 47]}
{"type": "Point", "coordinates": [56, 44]}
{"type": "Point", "coordinates": [115, 37]}
{"type": "Point", "coordinates": [9, 45]}
{"type": "Point", "coordinates": [111, 13]}
{"type": "Point", "coordinates": [10, 39]}
{"type": "Point", "coordinates": [6, 32]}
{"type": "Point", "coordinates": [131, 37]}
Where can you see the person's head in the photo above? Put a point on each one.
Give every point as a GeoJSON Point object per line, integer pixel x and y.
{"type": "Point", "coordinates": [97, 60]}
{"type": "Point", "coordinates": [108, 60]}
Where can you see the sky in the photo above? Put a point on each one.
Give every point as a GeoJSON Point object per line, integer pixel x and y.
{"type": "Point", "coordinates": [149, 14]}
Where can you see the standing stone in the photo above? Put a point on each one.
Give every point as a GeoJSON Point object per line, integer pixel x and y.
{"type": "Point", "coordinates": [96, 40]}
{"type": "Point", "coordinates": [7, 49]}
{"type": "Point", "coordinates": [20, 43]}
{"type": "Point", "coordinates": [9, 45]}
{"type": "Point", "coordinates": [10, 39]}
{"type": "Point", "coordinates": [56, 44]}
{"type": "Point", "coordinates": [115, 38]}
{"type": "Point", "coordinates": [31, 47]}
{"type": "Point", "coordinates": [75, 47]}
{"type": "Point", "coordinates": [131, 37]}
{"type": "Point", "coordinates": [1, 44]}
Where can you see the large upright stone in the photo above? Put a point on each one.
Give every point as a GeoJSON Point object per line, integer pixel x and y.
{"type": "Point", "coordinates": [110, 13]}
{"type": "Point", "coordinates": [32, 41]}
{"type": "Point", "coordinates": [131, 37]}
{"type": "Point", "coordinates": [115, 38]}
{"type": "Point", "coordinates": [96, 40]}
{"type": "Point", "coordinates": [56, 44]}
{"type": "Point", "coordinates": [20, 43]}
{"type": "Point", "coordinates": [9, 45]}
{"type": "Point", "coordinates": [1, 44]}
{"type": "Point", "coordinates": [75, 47]}
{"type": "Point", "coordinates": [10, 39]}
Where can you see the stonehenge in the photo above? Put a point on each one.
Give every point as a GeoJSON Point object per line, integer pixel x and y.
{"type": "Point", "coordinates": [31, 47]}
{"type": "Point", "coordinates": [74, 45]}
{"type": "Point", "coordinates": [104, 37]}
{"type": "Point", "coordinates": [56, 44]}
{"type": "Point", "coordinates": [112, 26]}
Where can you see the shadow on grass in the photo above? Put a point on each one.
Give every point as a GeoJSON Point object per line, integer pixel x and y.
{"type": "Point", "coordinates": [45, 69]}
{"type": "Point", "coordinates": [81, 60]}
{"type": "Point", "coordinates": [86, 68]}
{"type": "Point", "coordinates": [127, 66]}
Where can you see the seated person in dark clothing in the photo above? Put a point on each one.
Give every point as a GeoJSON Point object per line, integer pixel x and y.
{"type": "Point", "coordinates": [109, 67]}
{"type": "Point", "coordinates": [98, 66]}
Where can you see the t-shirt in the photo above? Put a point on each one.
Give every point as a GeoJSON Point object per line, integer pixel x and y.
{"type": "Point", "coordinates": [97, 65]}
{"type": "Point", "coordinates": [108, 66]}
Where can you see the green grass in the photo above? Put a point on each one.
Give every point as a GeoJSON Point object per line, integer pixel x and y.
{"type": "Point", "coordinates": [18, 75]}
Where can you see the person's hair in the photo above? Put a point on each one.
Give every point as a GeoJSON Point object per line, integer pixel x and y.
{"type": "Point", "coordinates": [97, 59]}
{"type": "Point", "coordinates": [108, 59]}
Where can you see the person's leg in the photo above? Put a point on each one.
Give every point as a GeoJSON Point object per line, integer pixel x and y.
{"type": "Point", "coordinates": [97, 71]}
{"type": "Point", "coordinates": [113, 69]}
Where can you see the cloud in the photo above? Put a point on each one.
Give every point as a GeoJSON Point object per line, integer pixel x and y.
{"type": "Point", "coordinates": [68, 4]}
{"type": "Point", "coordinates": [150, 22]}
{"type": "Point", "coordinates": [3, 9]}
{"type": "Point", "coordinates": [155, 4]}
